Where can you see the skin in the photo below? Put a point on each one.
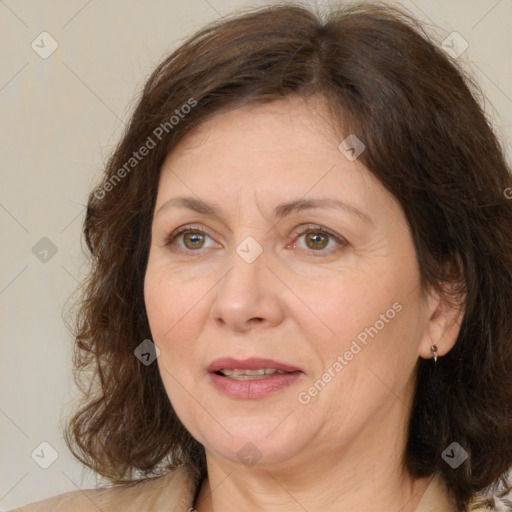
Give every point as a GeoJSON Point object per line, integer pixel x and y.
{"type": "Point", "coordinates": [298, 303]}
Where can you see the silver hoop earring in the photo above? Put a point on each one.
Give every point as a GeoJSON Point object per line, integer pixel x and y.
{"type": "Point", "coordinates": [434, 353]}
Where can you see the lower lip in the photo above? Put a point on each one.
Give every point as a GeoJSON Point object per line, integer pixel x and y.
{"type": "Point", "coordinates": [257, 388]}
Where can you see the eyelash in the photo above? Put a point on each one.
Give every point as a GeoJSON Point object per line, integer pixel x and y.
{"type": "Point", "coordinates": [310, 229]}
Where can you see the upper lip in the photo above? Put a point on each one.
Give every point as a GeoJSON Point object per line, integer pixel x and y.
{"type": "Point", "coordinates": [254, 363]}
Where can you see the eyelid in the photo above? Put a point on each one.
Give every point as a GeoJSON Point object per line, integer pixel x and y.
{"type": "Point", "coordinates": [301, 230]}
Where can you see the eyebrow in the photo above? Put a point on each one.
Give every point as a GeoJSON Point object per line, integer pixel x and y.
{"type": "Point", "coordinates": [280, 211]}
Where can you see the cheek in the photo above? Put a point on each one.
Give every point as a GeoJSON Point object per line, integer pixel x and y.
{"type": "Point", "coordinates": [349, 306]}
{"type": "Point", "coordinates": [173, 306]}
{"type": "Point", "coordinates": [176, 313]}
{"type": "Point", "coordinates": [371, 321]}
{"type": "Point", "coordinates": [170, 310]}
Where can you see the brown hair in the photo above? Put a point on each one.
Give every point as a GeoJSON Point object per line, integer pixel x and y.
{"type": "Point", "coordinates": [428, 142]}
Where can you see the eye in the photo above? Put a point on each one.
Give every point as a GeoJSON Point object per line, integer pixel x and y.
{"type": "Point", "coordinates": [319, 240]}
{"type": "Point", "coordinates": [188, 239]}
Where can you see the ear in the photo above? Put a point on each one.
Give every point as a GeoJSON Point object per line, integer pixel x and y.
{"type": "Point", "coordinates": [443, 325]}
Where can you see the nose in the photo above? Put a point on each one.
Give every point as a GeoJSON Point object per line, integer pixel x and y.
{"type": "Point", "coordinates": [248, 296]}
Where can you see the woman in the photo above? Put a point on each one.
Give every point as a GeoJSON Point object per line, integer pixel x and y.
{"type": "Point", "coordinates": [302, 279]}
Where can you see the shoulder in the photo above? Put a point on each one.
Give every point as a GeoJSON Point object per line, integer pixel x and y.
{"type": "Point", "coordinates": [436, 498]}
{"type": "Point", "coordinates": [497, 497]}
{"type": "Point", "coordinates": [171, 492]}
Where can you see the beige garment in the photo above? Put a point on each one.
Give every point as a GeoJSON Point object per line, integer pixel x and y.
{"type": "Point", "coordinates": [174, 492]}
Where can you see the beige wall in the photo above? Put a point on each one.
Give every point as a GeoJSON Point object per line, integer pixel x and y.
{"type": "Point", "coordinates": [60, 117]}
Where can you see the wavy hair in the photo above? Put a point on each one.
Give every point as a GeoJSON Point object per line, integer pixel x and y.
{"type": "Point", "coordinates": [428, 141]}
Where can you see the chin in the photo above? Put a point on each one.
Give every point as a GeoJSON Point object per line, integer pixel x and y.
{"type": "Point", "coordinates": [260, 440]}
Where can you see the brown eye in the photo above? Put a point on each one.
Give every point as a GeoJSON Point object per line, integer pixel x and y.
{"type": "Point", "coordinates": [193, 240]}
{"type": "Point", "coordinates": [317, 240]}
{"type": "Point", "coordinates": [190, 240]}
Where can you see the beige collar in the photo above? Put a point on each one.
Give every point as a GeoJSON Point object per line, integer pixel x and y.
{"type": "Point", "coordinates": [435, 498]}
{"type": "Point", "coordinates": [175, 492]}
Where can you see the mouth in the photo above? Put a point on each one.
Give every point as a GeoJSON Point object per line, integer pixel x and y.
{"type": "Point", "coordinates": [240, 374]}
{"type": "Point", "coordinates": [253, 368]}
{"type": "Point", "coordinates": [251, 378]}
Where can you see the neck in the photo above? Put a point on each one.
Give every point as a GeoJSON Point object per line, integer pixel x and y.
{"type": "Point", "coordinates": [323, 483]}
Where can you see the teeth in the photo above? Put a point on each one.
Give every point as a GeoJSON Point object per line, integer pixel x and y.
{"type": "Point", "coordinates": [261, 373]}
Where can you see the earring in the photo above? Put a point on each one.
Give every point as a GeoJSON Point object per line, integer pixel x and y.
{"type": "Point", "coordinates": [434, 353]}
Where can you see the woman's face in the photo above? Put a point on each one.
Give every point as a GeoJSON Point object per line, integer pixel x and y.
{"type": "Point", "coordinates": [269, 243]}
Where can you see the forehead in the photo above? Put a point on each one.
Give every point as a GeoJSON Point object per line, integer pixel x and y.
{"type": "Point", "coordinates": [286, 148]}
{"type": "Point", "coordinates": [273, 127]}
{"type": "Point", "coordinates": [290, 135]}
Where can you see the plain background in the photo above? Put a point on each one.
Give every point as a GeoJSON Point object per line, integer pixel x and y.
{"type": "Point", "coordinates": [60, 118]}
